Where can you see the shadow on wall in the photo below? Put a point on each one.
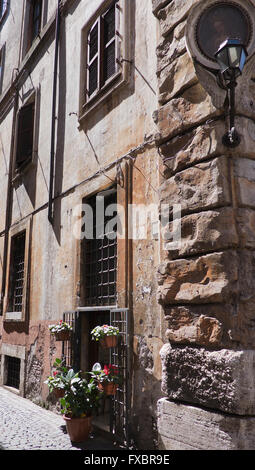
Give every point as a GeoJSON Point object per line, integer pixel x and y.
{"type": "Point", "coordinates": [147, 392]}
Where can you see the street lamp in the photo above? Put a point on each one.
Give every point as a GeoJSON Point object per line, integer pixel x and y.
{"type": "Point", "coordinates": [231, 57]}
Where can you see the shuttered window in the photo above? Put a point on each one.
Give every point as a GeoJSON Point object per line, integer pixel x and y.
{"type": "Point", "coordinates": [102, 47]}
{"type": "Point", "coordinates": [36, 18]}
{"type": "Point", "coordinates": [25, 134]}
{"type": "Point", "coordinates": [3, 8]}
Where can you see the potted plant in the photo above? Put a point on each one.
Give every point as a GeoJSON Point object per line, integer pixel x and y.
{"type": "Point", "coordinates": [106, 334]}
{"type": "Point", "coordinates": [107, 378]}
{"type": "Point", "coordinates": [61, 330]}
{"type": "Point", "coordinates": [80, 402]}
{"type": "Point", "coordinates": [56, 381]}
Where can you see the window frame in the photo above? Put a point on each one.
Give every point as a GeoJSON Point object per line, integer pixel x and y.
{"type": "Point", "coordinates": [105, 265]}
{"type": "Point", "coordinates": [2, 61]}
{"type": "Point", "coordinates": [4, 4]}
{"type": "Point", "coordinates": [28, 37]}
{"type": "Point", "coordinates": [9, 315]}
{"type": "Point", "coordinates": [32, 98]}
{"type": "Point", "coordinates": [122, 51]}
{"type": "Point", "coordinates": [100, 55]}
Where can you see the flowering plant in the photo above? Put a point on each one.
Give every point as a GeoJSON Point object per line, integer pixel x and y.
{"type": "Point", "coordinates": [60, 326]}
{"type": "Point", "coordinates": [109, 373]}
{"type": "Point", "coordinates": [100, 332]}
{"type": "Point", "coordinates": [57, 379]}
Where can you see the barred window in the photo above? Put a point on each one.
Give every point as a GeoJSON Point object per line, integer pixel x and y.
{"type": "Point", "coordinates": [102, 50]}
{"type": "Point", "coordinates": [100, 256]}
{"type": "Point", "coordinates": [17, 272]}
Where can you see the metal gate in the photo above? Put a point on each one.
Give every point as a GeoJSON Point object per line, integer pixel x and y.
{"type": "Point", "coordinates": [119, 357]}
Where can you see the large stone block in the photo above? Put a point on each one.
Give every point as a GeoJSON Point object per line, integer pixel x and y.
{"type": "Point", "coordinates": [209, 325]}
{"type": "Point", "coordinates": [180, 114]}
{"type": "Point", "coordinates": [203, 186]}
{"type": "Point", "coordinates": [244, 170]}
{"type": "Point", "coordinates": [247, 275]}
{"type": "Point", "coordinates": [246, 227]}
{"type": "Point", "coordinates": [223, 380]}
{"type": "Point", "coordinates": [243, 329]}
{"type": "Point", "coordinates": [206, 279]}
{"type": "Point", "coordinates": [174, 13]}
{"type": "Point", "coordinates": [204, 142]}
{"type": "Point", "coordinates": [184, 427]}
{"type": "Point", "coordinates": [175, 77]}
{"type": "Point", "coordinates": [158, 4]}
{"type": "Point", "coordinates": [203, 232]}
{"type": "Point", "coordinates": [171, 47]}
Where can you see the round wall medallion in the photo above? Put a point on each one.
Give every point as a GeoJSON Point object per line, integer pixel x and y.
{"type": "Point", "coordinates": [211, 22]}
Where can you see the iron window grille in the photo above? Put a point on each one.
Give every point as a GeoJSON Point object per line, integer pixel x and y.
{"type": "Point", "coordinates": [17, 272]}
{"type": "Point", "coordinates": [102, 52]}
{"type": "Point", "coordinates": [13, 371]}
{"type": "Point", "coordinates": [100, 256]}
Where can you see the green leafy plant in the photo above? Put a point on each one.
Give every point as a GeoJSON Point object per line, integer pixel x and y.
{"type": "Point", "coordinates": [57, 379]}
{"type": "Point", "coordinates": [109, 374]}
{"type": "Point", "coordinates": [101, 331]}
{"type": "Point", "coordinates": [60, 326]}
{"type": "Point", "coordinates": [82, 397]}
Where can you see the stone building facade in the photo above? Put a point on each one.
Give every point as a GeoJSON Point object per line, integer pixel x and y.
{"type": "Point", "coordinates": [103, 99]}
{"type": "Point", "coordinates": [206, 285]}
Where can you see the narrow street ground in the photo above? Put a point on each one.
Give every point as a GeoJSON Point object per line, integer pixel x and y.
{"type": "Point", "coordinates": [26, 426]}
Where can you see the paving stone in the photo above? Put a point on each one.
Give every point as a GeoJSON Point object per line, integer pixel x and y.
{"type": "Point", "coordinates": [26, 426]}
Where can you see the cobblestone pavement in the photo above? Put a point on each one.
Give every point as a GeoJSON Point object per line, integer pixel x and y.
{"type": "Point", "coordinates": [26, 426]}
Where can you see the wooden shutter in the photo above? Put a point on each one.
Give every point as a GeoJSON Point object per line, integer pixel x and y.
{"type": "Point", "coordinates": [25, 136]}
{"type": "Point", "coordinates": [4, 6]}
{"type": "Point", "coordinates": [93, 59]}
{"type": "Point", "coordinates": [109, 43]}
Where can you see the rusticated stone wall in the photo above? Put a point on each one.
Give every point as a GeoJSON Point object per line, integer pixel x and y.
{"type": "Point", "coordinates": [207, 285]}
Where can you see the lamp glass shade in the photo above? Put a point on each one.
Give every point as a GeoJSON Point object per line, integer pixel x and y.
{"type": "Point", "coordinates": [231, 55]}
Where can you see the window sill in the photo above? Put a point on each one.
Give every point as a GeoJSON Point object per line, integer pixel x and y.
{"type": "Point", "coordinates": [21, 170]}
{"type": "Point", "coordinates": [13, 316]}
{"type": "Point", "coordinates": [97, 100]}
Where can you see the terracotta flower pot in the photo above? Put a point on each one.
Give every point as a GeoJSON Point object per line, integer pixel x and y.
{"type": "Point", "coordinates": [63, 335]}
{"type": "Point", "coordinates": [109, 342]}
{"type": "Point", "coordinates": [78, 428]}
{"type": "Point", "coordinates": [109, 388]}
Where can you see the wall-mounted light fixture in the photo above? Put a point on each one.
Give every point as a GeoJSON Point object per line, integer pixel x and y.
{"type": "Point", "coordinates": [231, 57]}
{"type": "Point", "coordinates": [220, 34]}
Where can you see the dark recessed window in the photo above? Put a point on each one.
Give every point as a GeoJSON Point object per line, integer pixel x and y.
{"type": "Point", "coordinates": [25, 136]}
{"type": "Point", "coordinates": [3, 8]}
{"type": "Point", "coordinates": [34, 21]}
{"type": "Point", "coordinates": [100, 256]}
{"type": "Point", "coordinates": [17, 270]}
{"type": "Point", "coordinates": [102, 46]}
{"type": "Point", "coordinates": [13, 371]}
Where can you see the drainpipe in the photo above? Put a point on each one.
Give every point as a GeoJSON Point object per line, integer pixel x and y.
{"type": "Point", "coordinates": [53, 115]}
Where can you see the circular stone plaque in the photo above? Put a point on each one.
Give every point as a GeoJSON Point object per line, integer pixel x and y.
{"type": "Point", "coordinates": [211, 22]}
